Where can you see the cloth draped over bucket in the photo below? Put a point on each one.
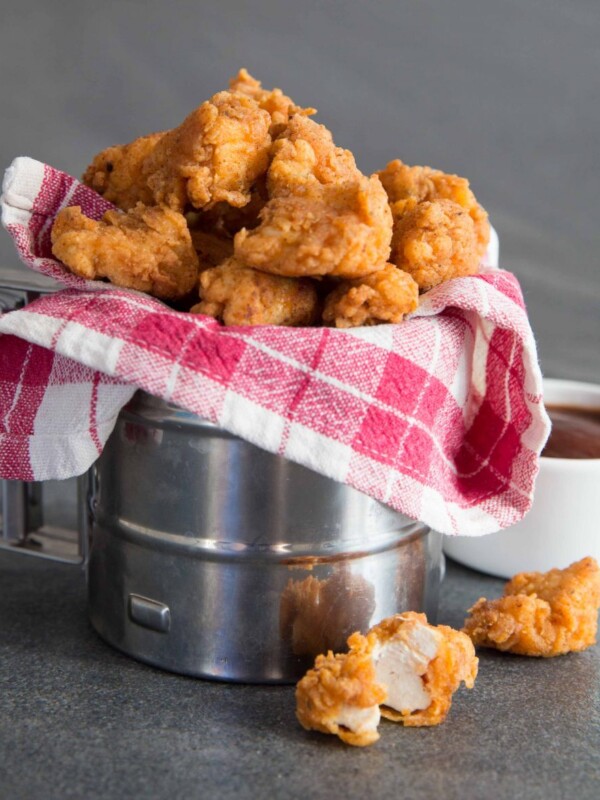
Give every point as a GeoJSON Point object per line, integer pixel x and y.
{"type": "Point", "coordinates": [440, 417]}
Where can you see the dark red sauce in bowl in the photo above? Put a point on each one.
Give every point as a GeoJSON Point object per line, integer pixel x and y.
{"type": "Point", "coordinates": [575, 432]}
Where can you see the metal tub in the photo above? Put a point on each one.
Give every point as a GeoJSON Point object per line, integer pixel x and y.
{"type": "Point", "coordinates": [214, 558]}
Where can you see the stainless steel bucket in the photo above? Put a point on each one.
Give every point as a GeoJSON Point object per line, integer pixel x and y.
{"type": "Point", "coordinates": [213, 558]}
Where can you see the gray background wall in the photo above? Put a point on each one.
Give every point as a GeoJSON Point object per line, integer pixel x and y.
{"type": "Point", "coordinates": [506, 92]}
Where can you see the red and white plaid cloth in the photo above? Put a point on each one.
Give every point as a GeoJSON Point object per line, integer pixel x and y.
{"type": "Point", "coordinates": [440, 417]}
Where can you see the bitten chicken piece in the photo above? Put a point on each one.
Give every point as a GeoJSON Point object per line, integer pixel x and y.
{"type": "Point", "coordinates": [324, 217]}
{"type": "Point", "coordinates": [420, 666]}
{"type": "Point", "coordinates": [542, 613]}
{"type": "Point", "coordinates": [406, 186]}
{"type": "Point", "coordinates": [384, 296]}
{"type": "Point", "coordinates": [434, 242]}
{"type": "Point", "coordinates": [238, 295]}
{"type": "Point", "coordinates": [341, 694]}
{"type": "Point", "coordinates": [279, 106]}
{"type": "Point", "coordinates": [148, 249]}
{"type": "Point", "coordinates": [215, 155]}
{"type": "Point", "coordinates": [410, 668]}
{"type": "Point", "coordinates": [116, 173]}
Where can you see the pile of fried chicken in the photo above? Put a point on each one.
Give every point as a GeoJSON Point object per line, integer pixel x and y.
{"type": "Point", "coordinates": [248, 212]}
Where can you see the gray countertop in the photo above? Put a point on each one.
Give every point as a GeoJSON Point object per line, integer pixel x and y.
{"type": "Point", "coordinates": [80, 720]}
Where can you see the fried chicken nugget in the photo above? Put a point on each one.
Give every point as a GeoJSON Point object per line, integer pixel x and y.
{"type": "Point", "coordinates": [225, 220]}
{"type": "Point", "coordinates": [324, 217]}
{"type": "Point", "coordinates": [116, 173]}
{"type": "Point", "coordinates": [238, 295]}
{"type": "Point", "coordinates": [148, 249]}
{"type": "Point", "coordinates": [541, 613]}
{"type": "Point", "coordinates": [406, 186]}
{"type": "Point", "coordinates": [412, 667]}
{"type": "Point", "coordinates": [421, 666]}
{"type": "Point", "coordinates": [215, 155]}
{"type": "Point", "coordinates": [434, 242]}
{"type": "Point", "coordinates": [384, 296]}
{"type": "Point", "coordinates": [341, 694]}
{"type": "Point", "coordinates": [279, 106]}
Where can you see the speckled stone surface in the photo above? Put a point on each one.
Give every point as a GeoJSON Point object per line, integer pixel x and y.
{"type": "Point", "coordinates": [80, 720]}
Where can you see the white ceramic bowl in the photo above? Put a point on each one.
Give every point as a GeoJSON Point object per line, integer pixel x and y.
{"type": "Point", "coordinates": [564, 522]}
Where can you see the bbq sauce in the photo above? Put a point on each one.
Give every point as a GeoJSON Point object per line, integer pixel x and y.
{"type": "Point", "coordinates": [575, 432]}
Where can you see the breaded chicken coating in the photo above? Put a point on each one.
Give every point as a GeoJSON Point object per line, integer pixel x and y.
{"type": "Point", "coordinates": [421, 666]}
{"type": "Point", "coordinates": [406, 186]}
{"type": "Point", "coordinates": [279, 106]}
{"type": "Point", "coordinates": [225, 220]}
{"type": "Point", "coordinates": [211, 249]}
{"type": "Point", "coordinates": [324, 217]}
{"type": "Point", "coordinates": [384, 296]}
{"type": "Point", "coordinates": [148, 249]}
{"type": "Point", "coordinates": [238, 295]}
{"type": "Point", "coordinates": [318, 615]}
{"type": "Point", "coordinates": [341, 694]}
{"type": "Point", "coordinates": [434, 242]}
{"type": "Point", "coordinates": [305, 159]}
{"type": "Point", "coordinates": [541, 613]}
{"type": "Point", "coordinates": [412, 667]}
{"type": "Point", "coordinates": [214, 156]}
{"type": "Point", "coordinates": [116, 173]}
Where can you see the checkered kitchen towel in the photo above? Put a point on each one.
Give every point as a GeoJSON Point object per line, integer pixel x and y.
{"type": "Point", "coordinates": [439, 417]}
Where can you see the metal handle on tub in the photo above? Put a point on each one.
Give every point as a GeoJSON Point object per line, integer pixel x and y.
{"type": "Point", "coordinates": [22, 527]}
{"type": "Point", "coordinates": [20, 286]}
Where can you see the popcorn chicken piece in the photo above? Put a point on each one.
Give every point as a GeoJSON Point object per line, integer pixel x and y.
{"type": "Point", "coordinates": [421, 666]}
{"type": "Point", "coordinates": [148, 249]}
{"type": "Point", "coordinates": [239, 295]}
{"type": "Point", "coordinates": [305, 158]}
{"type": "Point", "coordinates": [214, 156]}
{"type": "Point", "coordinates": [384, 296]}
{"type": "Point", "coordinates": [407, 186]}
{"type": "Point", "coordinates": [541, 614]}
{"type": "Point", "coordinates": [279, 106]}
{"type": "Point", "coordinates": [412, 667]}
{"type": "Point", "coordinates": [323, 216]}
{"type": "Point", "coordinates": [341, 694]}
{"type": "Point", "coordinates": [434, 242]}
{"type": "Point", "coordinates": [116, 173]}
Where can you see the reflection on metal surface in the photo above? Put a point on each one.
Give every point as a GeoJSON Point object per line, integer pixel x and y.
{"type": "Point", "coordinates": [318, 615]}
